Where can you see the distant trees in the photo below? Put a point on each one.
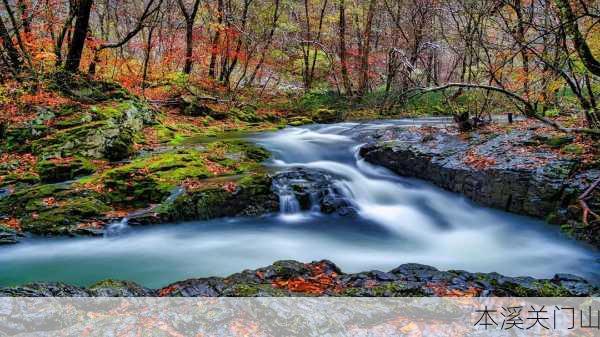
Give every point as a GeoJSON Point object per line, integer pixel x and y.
{"type": "Point", "coordinates": [545, 51]}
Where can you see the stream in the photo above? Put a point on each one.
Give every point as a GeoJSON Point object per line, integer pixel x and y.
{"type": "Point", "coordinates": [397, 220]}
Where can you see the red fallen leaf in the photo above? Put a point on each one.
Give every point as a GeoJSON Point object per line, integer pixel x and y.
{"type": "Point", "coordinates": [230, 187]}
{"type": "Point", "coordinates": [91, 225]}
{"type": "Point", "coordinates": [14, 223]}
{"type": "Point", "coordinates": [50, 201]}
{"type": "Point", "coordinates": [143, 171]}
{"type": "Point", "coordinates": [319, 282]}
{"type": "Point", "coordinates": [477, 161]}
{"type": "Point", "coordinates": [443, 291]}
{"type": "Point", "coordinates": [167, 291]}
{"type": "Point", "coordinates": [215, 168]}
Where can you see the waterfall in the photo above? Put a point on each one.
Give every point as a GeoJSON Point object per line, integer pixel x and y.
{"type": "Point", "coordinates": [117, 228]}
{"type": "Point", "coordinates": [288, 203]}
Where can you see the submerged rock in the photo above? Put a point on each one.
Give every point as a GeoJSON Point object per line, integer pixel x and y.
{"type": "Point", "coordinates": [324, 278]}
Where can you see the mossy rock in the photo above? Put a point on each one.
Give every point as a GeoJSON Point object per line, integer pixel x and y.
{"type": "Point", "coordinates": [150, 179]}
{"type": "Point", "coordinates": [558, 141]}
{"type": "Point", "coordinates": [325, 116]}
{"type": "Point", "coordinates": [65, 217]}
{"type": "Point", "coordinates": [26, 200]}
{"type": "Point", "coordinates": [252, 197]}
{"type": "Point", "coordinates": [191, 106]}
{"type": "Point", "coordinates": [110, 135]}
{"type": "Point", "coordinates": [299, 121]}
{"type": "Point", "coordinates": [115, 288]}
{"type": "Point", "coordinates": [246, 114]}
{"type": "Point", "coordinates": [575, 149]}
{"type": "Point", "coordinates": [253, 290]}
{"type": "Point", "coordinates": [57, 170]}
{"type": "Point", "coordinates": [86, 140]}
{"type": "Point", "coordinates": [85, 90]}
{"type": "Point", "coordinates": [74, 121]}
{"type": "Point", "coordinates": [18, 139]}
{"type": "Point", "coordinates": [120, 146]}
{"type": "Point", "coordinates": [20, 178]}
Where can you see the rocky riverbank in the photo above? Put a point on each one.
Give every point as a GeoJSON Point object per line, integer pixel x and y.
{"type": "Point", "coordinates": [527, 171]}
{"type": "Point", "coordinates": [323, 278]}
{"type": "Point", "coordinates": [91, 153]}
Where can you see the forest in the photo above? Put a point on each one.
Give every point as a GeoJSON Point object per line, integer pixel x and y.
{"type": "Point", "coordinates": [378, 134]}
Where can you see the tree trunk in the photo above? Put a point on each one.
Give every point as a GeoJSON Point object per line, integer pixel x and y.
{"type": "Point", "coordinates": [215, 42]}
{"type": "Point", "coordinates": [9, 47]}
{"type": "Point", "coordinates": [190, 18]}
{"type": "Point", "coordinates": [366, 49]}
{"type": "Point", "coordinates": [343, 55]}
{"type": "Point", "coordinates": [569, 20]}
{"type": "Point", "coordinates": [189, 46]}
{"type": "Point", "coordinates": [147, 55]}
{"type": "Point", "coordinates": [82, 23]}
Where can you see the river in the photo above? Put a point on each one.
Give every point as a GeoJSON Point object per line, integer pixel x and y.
{"type": "Point", "coordinates": [398, 220]}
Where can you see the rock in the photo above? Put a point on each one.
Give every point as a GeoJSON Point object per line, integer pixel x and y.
{"type": "Point", "coordinates": [575, 285]}
{"type": "Point", "coordinates": [109, 136]}
{"type": "Point", "coordinates": [54, 209]}
{"type": "Point", "coordinates": [313, 189]}
{"type": "Point", "coordinates": [8, 235]}
{"type": "Point", "coordinates": [246, 114]}
{"type": "Point", "coordinates": [120, 146]}
{"type": "Point", "coordinates": [53, 289]}
{"type": "Point", "coordinates": [324, 115]}
{"type": "Point", "coordinates": [112, 288]}
{"type": "Point", "coordinates": [85, 90]}
{"type": "Point", "coordinates": [207, 287]}
{"type": "Point", "coordinates": [251, 197]}
{"type": "Point", "coordinates": [61, 169]}
{"type": "Point", "coordinates": [494, 171]}
{"type": "Point", "coordinates": [324, 278]}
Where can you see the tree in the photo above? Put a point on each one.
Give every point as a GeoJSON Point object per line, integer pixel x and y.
{"type": "Point", "coordinates": [80, 32]}
{"type": "Point", "coordinates": [570, 23]}
{"type": "Point", "coordinates": [343, 53]}
{"type": "Point", "coordinates": [9, 48]}
{"type": "Point", "coordinates": [190, 18]}
{"type": "Point", "coordinates": [149, 10]}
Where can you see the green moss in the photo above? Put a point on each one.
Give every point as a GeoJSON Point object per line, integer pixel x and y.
{"type": "Point", "coordinates": [74, 121]}
{"type": "Point", "coordinates": [61, 170]}
{"type": "Point", "coordinates": [85, 139]}
{"type": "Point", "coordinates": [27, 177]}
{"type": "Point", "coordinates": [549, 289]}
{"type": "Point", "coordinates": [253, 290]}
{"type": "Point", "coordinates": [65, 217]}
{"type": "Point", "coordinates": [576, 149]}
{"type": "Point", "coordinates": [558, 141]}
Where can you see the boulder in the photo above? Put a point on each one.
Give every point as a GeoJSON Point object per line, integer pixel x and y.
{"type": "Point", "coordinates": [61, 169]}
{"type": "Point", "coordinates": [314, 190]}
{"type": "Point", "coordinates": [500, 171]}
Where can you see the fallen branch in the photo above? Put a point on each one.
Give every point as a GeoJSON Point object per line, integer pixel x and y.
{"type": "Point", "coordinates": [583, 202]}
{"type": "Point", "coordinates": [529, 110]}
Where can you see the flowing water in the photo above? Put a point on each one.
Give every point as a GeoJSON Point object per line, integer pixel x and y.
{"type": "Point", "coordinates": [398, 220]}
